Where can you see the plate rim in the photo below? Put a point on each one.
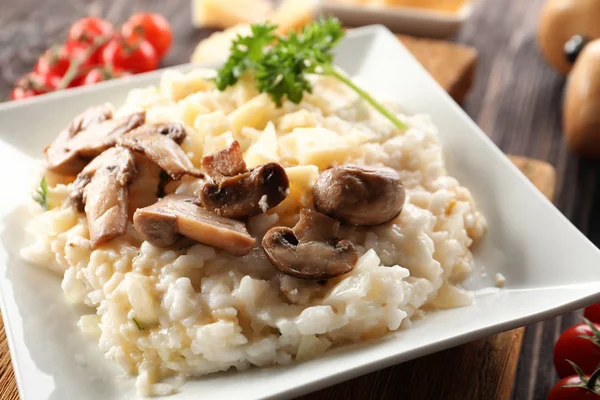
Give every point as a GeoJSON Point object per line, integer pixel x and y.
{"type": "Point", "coordinates": [461, 15]}
{"type": "Point", "coordinates": [354, 371]}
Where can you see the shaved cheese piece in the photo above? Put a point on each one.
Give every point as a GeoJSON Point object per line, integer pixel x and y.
{"type": "Point", "coordinates": [225, 14]}
{"type": "Point", "coordinates": [264, 150]}
{"type": "Point", "coordinates": [293, 15]}
{"type": "Point", "coordinates": [255, 113]}
{"type": "Point", "coordinates": [316, 146]}
{"type": "Point", "coordinates": [215, 48]}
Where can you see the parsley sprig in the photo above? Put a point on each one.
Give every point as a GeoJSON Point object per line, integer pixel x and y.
{"type": "Point", "coordinates": [138, 325]}
{"type": "Point", "coordinates": [41, 194]}
{"type": "Point", "coordinates": [281, 65]}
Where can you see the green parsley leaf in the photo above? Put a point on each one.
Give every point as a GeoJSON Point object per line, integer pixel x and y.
{"type": "Point", "coordinates": [41, 194]}
{"type": "Point", "coordinates": [282, 72]}
{"type": "Point", "coordinates": [139, 326]}
{"type": "Point", "coordinates": [245, 53]}
{"type": "Point", "coordinates": [282, 69]}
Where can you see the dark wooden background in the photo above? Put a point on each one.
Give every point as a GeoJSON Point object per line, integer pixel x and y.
{"type": "Point", "coordinates": [516, 100]}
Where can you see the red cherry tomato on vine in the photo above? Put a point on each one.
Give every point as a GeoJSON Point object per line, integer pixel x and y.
{"type": "Point", "coordinates": [53, 63]}
{"type": "Point", "coordinates": [102, 74]}
{"type": "Point", "coordinates": [86, 30]}
{"type": "Point", "coordinates": [94, 76]}
{"type": "Point", "coordinates": [27, 86]}
{"type": "Point", "coordinates": [19, 93]}
{"type": "Point", "coordinates": [593, 313]}
{"type": "Point", "coordinates": [560, 392]}
{"type": "Point", "coordinates": [152, 27]}
{"type": "Point", "coordinates": [135, 57]}
{"type": "Point", "coordinates": [582, 351]}
{"type": "Point", "coordinates": [80, 53]}
{"type": "Point", "coordinates": [86, 33]}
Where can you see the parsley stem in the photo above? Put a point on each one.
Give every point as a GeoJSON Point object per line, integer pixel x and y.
{"type": "Point", "coordinates": [329, 70]}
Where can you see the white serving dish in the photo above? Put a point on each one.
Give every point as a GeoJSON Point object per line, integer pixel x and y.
{"type": "Point", "coordinates": [550, 267]}
{"type": "Point", "coordinates": [409, 20]}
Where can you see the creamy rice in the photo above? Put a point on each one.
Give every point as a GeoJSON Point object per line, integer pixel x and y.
{"type": "Point", "coordinates": [193, 311]}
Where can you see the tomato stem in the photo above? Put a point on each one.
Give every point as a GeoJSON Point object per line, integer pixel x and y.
{"type": "Point", "coordinates": [75, 64]}
{"type": "Point", "coordinates": [591, 383]}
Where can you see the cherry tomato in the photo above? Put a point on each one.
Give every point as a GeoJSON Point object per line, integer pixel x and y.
{"type": "Point", "coordinates": [77, 81]}
{"type": "Point", "coordinates": [80, 53]}
{"type": "Point", "coordinates": [582, 351]}
{"type": "Point", "coordinates": [86, 30]}
{"type": "Point", "coordinates": [135, 57]}
{"type": "Point", "coordinates": [19, 93]}
{"type": "Point", "coordinates": [27, 86]}
{"type": "Point", "coordinates": [152, 27]}
{"type": "Point", "coordinates": [593, 313]}
{"type": "Point", "coordinates": [95, 75]}
{"type": "Point", "coordinates": [560, 392]}
{"type": "Point", "coordinates": [102, 74]}
{"type": "Point", "coordinates": [86, 33]}
{"type": "Point", "coordinates": [53, 63]}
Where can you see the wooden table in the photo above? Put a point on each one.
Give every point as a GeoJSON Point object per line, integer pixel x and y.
{"type": "Point", "coordinates": [516, 100]}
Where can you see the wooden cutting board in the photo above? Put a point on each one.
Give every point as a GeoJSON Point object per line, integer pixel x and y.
{"type": "Point", "coordinates": [484, 369]}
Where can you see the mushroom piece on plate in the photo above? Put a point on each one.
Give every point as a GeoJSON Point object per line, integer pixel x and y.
{"type": "Point", "coordinates": [227, 162]}
{"type": "Point", "coordinates": [310, 250]}
{"type": "Point", "coordinates": [358, 195]}
{"type": "Point", "coordinates": [88, 135]}
{"type": "Point", "coordinates": [101, 190]}
{"type": "Point", "coordinates": [144, 189]}
{"type": "Point", "coordinates": [160, 144]}
{"type": "Point", "coordinates": [247, 194]}
{"type": "Point", "coordinates": [174, 216]}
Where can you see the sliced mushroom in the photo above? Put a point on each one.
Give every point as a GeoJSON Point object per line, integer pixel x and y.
{"type": "Point", "coordinates": [247, 194]}
{"type": "Point", "coordinates": [358, 195]}
{"type": "Point", "coordinates": [58, 157]}
{"type": "Point", "coordinates": [227, 162]}
{"type": "Point", "coordinates": [144, 190]}
{"type": "Point", "coordinates": [87, 136]}
{"type": "Point", "coordinates": [101, 190]}
{"type": "Point", "coordinates": [163, 223]}
{"type": "Point", "coordinates": [160, 144]}
{"type": "Point", "coordinates": [310, 250]}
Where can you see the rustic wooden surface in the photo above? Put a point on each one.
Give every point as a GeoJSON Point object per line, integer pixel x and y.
{"type": "Point", "coordinates": [516, 99]}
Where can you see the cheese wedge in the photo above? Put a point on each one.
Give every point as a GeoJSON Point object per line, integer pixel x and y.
{"type": "Point", "coordinates": [228, 13]}
{"type": "Point", "coordinates": [293, 15]}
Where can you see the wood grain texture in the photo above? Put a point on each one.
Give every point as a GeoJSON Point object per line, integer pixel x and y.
{"type": "Point", "coordinates": [452, 65]}
{"type": "Point", "coordinates": [516, 99]}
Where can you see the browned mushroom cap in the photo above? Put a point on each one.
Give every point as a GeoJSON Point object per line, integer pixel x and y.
{"type": "Point", "coordinates": [358, 195]}
{"type": "Point", "coordinates": [312, 249]}
{"type": "Point", "coordinates": [227, 162]}
{"type": "Point", "coordinates": [163, 223]}
{"type": "Point", "coordinates": [247, 194]}
{"type": "Point", "coordinates": [88, 135]}
{"type": "Point", "coordinates": [101, 190]}
{"type": "Point", "coordinates": [159, 143]}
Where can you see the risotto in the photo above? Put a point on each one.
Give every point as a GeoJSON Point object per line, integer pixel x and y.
{"type": "Point", "coordinates": [193, 309]}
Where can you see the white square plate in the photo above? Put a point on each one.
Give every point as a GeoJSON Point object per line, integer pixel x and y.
{"type": "Point", "coordinates": [550, 267]}
{"type": "Point", "coordinates": [409, 20]}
